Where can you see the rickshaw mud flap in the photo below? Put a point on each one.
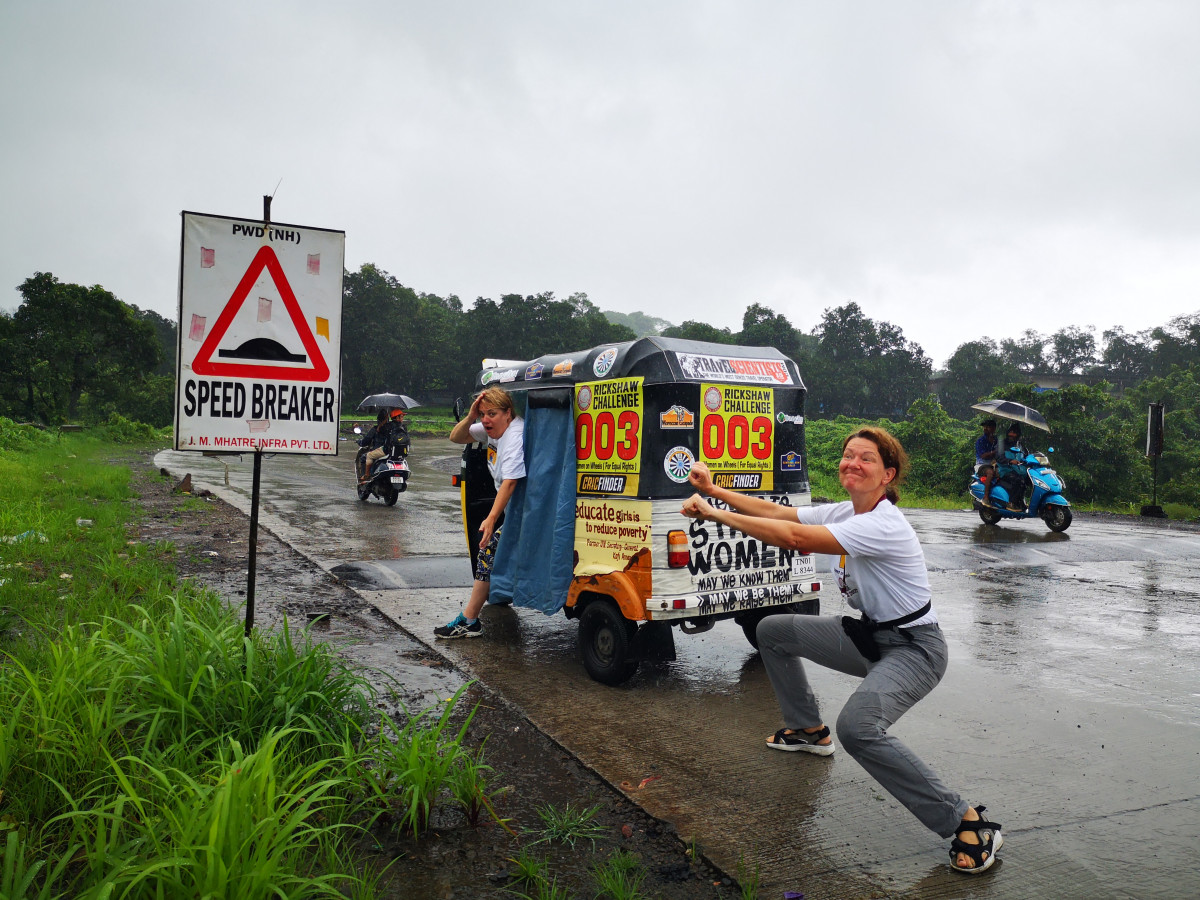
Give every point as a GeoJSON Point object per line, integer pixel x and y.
{"type": "Point", "coordinates": [654, 642]}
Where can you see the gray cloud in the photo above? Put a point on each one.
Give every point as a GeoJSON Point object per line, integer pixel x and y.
{"type": "Point", "coordinates": [946, 164]}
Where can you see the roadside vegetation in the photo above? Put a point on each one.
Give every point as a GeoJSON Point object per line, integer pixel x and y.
{"type": "Point", "coordinates": [149, 749]}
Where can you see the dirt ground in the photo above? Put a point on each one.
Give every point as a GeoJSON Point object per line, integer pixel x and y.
{"type": "Point", "coordinates": [455, 860]}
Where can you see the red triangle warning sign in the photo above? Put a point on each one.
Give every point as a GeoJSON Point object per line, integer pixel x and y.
{"type": "Point", "coordinates": [260, 356]}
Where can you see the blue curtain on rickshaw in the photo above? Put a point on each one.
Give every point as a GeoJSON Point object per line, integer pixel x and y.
{"type": "Point", "coordinates": [536, 554]}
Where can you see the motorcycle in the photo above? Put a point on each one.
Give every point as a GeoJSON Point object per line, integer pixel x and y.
{"type": "Point", "coordinates": [388, 477]}
{"type": "Point", "coordinates": [1046, 500]}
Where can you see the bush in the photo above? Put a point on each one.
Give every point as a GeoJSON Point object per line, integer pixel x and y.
{"type": "Point", "coordinates": [22, 437]}
{"type": "Point", "coordinates": [120, 430]}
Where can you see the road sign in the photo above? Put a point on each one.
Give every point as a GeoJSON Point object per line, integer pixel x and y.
{"type": "Point", "coordinates": [260, 320]}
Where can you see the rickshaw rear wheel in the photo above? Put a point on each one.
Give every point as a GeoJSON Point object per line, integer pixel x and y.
{"type": "Point", "coordinates": [749, 622]}
{"type": "Point", "coordinates": [606, 643]}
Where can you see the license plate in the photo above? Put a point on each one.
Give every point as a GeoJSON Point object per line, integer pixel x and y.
{"type": "Point", "coordinates": [397, 480]}
{"type": "Point", "coordinates": [803, 567]}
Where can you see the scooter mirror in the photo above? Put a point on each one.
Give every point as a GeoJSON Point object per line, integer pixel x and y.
{"type": "Point", "coordinates": [460, 407]}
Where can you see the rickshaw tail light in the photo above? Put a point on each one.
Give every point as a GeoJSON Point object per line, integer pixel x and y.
{"type": "Point", "coordinates": [815, 586]}
{"type": "Point", "coordinates": [679, 604]}
{"type": "Point", "coordinates": [677, 550]}
{"type": "Point", "coordinates": [453, 481]}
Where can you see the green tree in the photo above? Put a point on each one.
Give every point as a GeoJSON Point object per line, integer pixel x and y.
{"type": "Point", "coordinates": [1027, 352]}
{"type": "Point", "coordinates": [941, 450]}
{"type": "Point", "coordinates": [700, 331]}
{"type": "Point", "coordinates": [1126, 359]}
{"type": "Point", "coordinates": [525, 327]}
{"type": "Point", "coordinates": [73, 347]}
{"type": "Point", "coordinates": [639, 323]}
{"type": "Point", "coordinates": [972, 373]}
{"type": "Point", "coordinates": [862, 368]}
{"type": "Point", "coordinates": [763, 327]}
{"type": "Point", "coordinates": [1176, 344]}
{"type": "Point", "coordinates": [1072, 350]}
{"type": "Point", "coordinates": [394, 339]}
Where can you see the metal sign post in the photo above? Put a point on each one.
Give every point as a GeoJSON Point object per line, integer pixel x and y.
{"type": "Point", "coordinates": [1154, 449]}
{"type": "Point", "coordinates": [260, 327]}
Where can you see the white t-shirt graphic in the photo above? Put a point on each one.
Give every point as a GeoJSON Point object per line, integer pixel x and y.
{"type": "Point", "coordinates": [506, 456]}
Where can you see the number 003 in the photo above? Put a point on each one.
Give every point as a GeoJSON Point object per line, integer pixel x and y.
{"type": "Point", "coordinates": [737, 437]}
{"type": "Point", "coordinates": [599, 436]}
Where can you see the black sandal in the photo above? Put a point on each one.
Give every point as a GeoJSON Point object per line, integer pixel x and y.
{"type": "Point", "coordinates": [983, 854]}
{"type": "Point", "coordinates": [796, 739]}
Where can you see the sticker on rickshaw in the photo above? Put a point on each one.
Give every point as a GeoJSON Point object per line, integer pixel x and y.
{"type": "Point", "coordinates": [610, 534]}
{"type": "Point", "coordinates": [608, 436]}
{"type": "Point", "coordinates": [736, 435]}
{"type": "Point", "coordinates": [700, 366]}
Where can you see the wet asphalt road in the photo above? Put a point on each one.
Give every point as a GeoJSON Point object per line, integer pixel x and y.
{"type": "Point", "coordinates": [1071, 706]}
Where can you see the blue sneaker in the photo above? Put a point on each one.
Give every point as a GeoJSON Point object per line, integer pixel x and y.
{"type": "Point", "coordinates": [459, 627]}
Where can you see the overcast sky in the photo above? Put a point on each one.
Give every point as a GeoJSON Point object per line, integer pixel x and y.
{"type": "Point", "coordinates": [952, 167]}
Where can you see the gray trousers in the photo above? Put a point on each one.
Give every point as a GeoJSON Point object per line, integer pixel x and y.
{"type": "Point", "coordinates": [907, 671]}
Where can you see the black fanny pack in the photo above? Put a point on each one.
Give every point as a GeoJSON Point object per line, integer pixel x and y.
{"type": "Point", "coordinates": [862, 631]}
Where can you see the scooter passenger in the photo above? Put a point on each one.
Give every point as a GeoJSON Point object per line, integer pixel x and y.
{"type": "Point", "coordinates": [1012, 470]}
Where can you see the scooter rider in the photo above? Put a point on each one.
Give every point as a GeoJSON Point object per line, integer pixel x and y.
{"type": "Point", "coordinates": [1012, 467]}
{"type": "Point", "coordinates": [389, 429]}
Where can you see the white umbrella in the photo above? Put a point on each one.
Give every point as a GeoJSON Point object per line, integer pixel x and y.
{"type": "Point", "coordinates": [1011, 409]}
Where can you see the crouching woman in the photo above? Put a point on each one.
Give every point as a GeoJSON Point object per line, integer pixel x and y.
{"type": "Point", "coordinates": [896, 648]}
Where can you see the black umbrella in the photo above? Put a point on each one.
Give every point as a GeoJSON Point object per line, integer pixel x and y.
{"type": "Point", "coordinates": [388, 401]}
{"type": "Point", "coordinates": [1010, 409]}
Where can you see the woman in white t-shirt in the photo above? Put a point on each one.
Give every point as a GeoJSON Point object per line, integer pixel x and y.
{"type": "Point", "coordinates": [880, 569]}
{"type": "Point", "coordinates": [504, 431]}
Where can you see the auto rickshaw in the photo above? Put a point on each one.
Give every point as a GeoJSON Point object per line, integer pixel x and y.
{"type": "Point", "coordinates": [595, 529]}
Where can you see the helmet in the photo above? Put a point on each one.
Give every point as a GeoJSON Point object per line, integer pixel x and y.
{"type": "Point", "coordinates": [397, 414]}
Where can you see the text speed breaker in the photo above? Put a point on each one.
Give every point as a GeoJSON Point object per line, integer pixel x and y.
{"type": "Point", "coordinates": [260, 320]}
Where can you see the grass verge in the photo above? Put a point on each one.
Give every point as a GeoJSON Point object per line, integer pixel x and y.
{"type": "Point", "coordinates": [148, 748]}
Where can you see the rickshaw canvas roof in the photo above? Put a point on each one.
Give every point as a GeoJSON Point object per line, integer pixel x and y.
{"type": "Point", "coordinates": [659, 360]}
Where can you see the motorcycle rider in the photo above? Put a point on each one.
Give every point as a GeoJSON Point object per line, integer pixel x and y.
{"type": "Point", "coordinates": [389, 431]}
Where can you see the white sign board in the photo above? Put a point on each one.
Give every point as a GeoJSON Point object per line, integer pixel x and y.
{"type": "Point", "coordinates": [260, 335]}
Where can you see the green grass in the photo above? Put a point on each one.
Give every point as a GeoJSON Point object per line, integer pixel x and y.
{"type": "Point", "coordinates": [149, 749]}
{"type": "Point", "coordinates": [620, 877]}
{"type": "Point", "coordinates": [568, 824]}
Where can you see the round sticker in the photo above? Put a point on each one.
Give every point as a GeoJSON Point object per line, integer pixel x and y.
{"type": "Point", "coordinates": [678, 463]}
{"type": "Point", "coordinates": [584, 399]}
{"type": "Point", "coordinates": [604, 362]}
{"type": "Point", "coordinates": [712, 399]}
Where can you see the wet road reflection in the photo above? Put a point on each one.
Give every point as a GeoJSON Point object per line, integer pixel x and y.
{"type": "Point", "coordinates": [1071, 706]}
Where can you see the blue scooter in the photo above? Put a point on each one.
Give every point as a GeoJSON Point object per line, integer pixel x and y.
{"type": "Point", "coordinates": [1045, 500]}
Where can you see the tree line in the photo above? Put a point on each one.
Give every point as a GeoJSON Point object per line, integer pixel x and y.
{"type": "Point", "coordinates": [74, 353]}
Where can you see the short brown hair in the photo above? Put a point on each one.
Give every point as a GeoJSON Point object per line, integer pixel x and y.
{"type": "Point", "coordinates": [891, 452]}
{"type": "Point", "coordinates": [498, 398]}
